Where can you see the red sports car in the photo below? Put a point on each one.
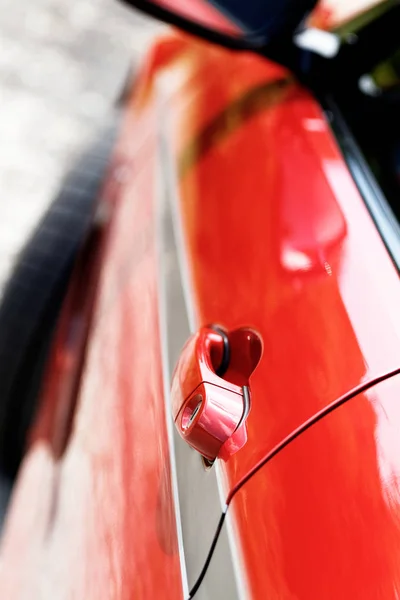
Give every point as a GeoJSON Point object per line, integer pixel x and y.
{"type": "Point", "coordinates": [200, 347]}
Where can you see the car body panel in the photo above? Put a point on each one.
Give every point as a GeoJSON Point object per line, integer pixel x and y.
{"type": "Point", "coordinates": [269, 231]}
{"type": "Point", "coordinates": [324, 513]}
{"type": "Point", "coordinates": [276, 236]}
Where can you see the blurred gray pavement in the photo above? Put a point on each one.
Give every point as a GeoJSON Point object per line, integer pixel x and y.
{"type": "Point", "coordinates": [62, 64]}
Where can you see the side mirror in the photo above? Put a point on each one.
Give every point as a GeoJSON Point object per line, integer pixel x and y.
{"type": "Point", "coordinates": [256, 25]}
{"type": "Point", "coordinates": [210, 393]}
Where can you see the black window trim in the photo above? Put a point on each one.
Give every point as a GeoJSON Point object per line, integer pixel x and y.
{"type": "Point", "coordinates": [374, 198]}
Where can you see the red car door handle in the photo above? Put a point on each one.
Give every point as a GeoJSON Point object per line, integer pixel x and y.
{"type": "Point", "coordinates": [210, 391]}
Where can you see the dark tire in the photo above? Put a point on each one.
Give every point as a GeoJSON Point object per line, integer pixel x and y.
{"type": "Point", "coordinates": [34, 295]}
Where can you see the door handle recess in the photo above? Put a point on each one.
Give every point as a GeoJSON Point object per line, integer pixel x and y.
{"type": "Point", "coordinates": [210, 393]}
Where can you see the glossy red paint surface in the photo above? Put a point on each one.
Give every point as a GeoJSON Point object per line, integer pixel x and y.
{"type": "Point", "coordinates": [277, 236]}
{"type": "Point", "coordinates": [324, 513]}
{"type": "Point", "coordinates": [97, 520]}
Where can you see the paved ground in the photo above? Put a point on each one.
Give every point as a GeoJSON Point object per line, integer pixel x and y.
{"type": "Point", "coordinates": [62, 63]}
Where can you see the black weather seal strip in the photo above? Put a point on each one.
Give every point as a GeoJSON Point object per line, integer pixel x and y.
{"type": "Point", "coordinates": [163, 14]}
{"type": "Point", "coordinates": [374, 199]}
{"type": "Point", "coordinates": [209, 557]}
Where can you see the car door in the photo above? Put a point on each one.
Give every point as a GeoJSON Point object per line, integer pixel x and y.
{"type": "Point", "coordinates": [270, 230]}
{"type": "Point", "coordinates": [274, 234]}
{"type": "Point", "coordinates": [293, 513]}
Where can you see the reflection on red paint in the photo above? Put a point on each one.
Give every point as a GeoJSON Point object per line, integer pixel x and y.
{"type": "Point", "coordinates": [201, 12]}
